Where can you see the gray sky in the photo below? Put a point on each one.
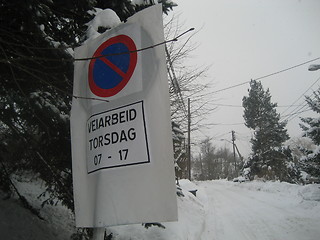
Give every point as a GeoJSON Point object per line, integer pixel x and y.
{"type": "Point", "coordinates": [248, 39]}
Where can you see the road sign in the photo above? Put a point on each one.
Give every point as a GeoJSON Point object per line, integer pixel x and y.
{"type": "Point", "coordinates": [122, 150]}
{"type": "Point", "coordinates": [112, 66]}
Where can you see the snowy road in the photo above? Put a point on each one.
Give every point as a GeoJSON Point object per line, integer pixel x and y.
{"type": "Point", "coordinates": [234, 212]}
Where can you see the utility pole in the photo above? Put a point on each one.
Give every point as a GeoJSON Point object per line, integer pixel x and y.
{"type": "Point", "coordinates": [201, 170]}
{"type": "Point", "coordinates": [189, 144]}
{"type": "Point", "coordinates": [233, 138]}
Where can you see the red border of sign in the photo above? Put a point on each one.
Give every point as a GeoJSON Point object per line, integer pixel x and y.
{"type": "Point", "coordinates": [101, 92]}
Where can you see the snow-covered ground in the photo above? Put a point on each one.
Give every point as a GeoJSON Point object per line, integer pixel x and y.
{"type": "Point", "coordinates": [225, 210]}
{"type": "Point", "coordinates": [263, 211]}
{"type": "Point", "coordinates": [221, 210]}
{"type": "Point", "coordinates": [17, 222]}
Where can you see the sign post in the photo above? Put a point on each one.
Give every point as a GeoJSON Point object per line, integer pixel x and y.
{"type": "Point", "coordinates": [98, 233]}
{"type": "Point", "coordinates": [122, 156]}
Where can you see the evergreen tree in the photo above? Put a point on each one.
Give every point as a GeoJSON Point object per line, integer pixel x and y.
{"type": "Point", "coordinates": [268, 158]}
{"type": "Point", "coordinates": [311, 127]}
{"type": "Point", "coordinates": [36, 88]}
{"type": "Point", "coordinates": [207, 152]}
{"type": "Point", "coordinates": [214, 163]}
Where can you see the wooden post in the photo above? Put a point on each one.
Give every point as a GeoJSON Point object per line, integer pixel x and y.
{"type": "Point", "coordinates": [189, 144]}
{"type": "Point", "coordinates": [98, 233]}
{"type": "Point", "coordinates": [201, 170]}
{"type": "Point", "coordinates": [234, 153]}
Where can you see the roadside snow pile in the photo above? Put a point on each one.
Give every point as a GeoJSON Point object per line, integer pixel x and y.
{"type": "Point", "coordinates": [17, 222]}
{"type": "Point", "coordinates": [191, 211]}
{"type": "Point", "coordinates": [309, 192]}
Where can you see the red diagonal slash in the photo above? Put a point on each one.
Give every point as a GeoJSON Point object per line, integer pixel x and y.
{"type": "Point", "coordinates": [113, 67]}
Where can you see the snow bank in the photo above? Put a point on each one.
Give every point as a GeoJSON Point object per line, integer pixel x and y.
{"type": "Point", "coordinates": [17, 222]}
{"type": "Point", "coordinates": [302, 197]}
{"type": "Point", "coordinates": [59, 221]}
{"type": "Point", "coordinates": [305, 192]}
{"type": "Point", "coordinates": [310, 192]}
{"type": "Point", "coordinates": [191, 212]}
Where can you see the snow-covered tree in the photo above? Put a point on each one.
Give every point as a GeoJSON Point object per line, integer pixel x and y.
{"type": "Point", "coordinates": [213, 163]}
{"type": "Point", "coordinates": [180, 151]}
{"type": "Point", "coordinates": [207, 160]}
{"type": "Point", "coordinates": [36, 86]}
{"type": "Point", "coordinates": [311, 127]}
{"type": "Point", "coordinates": [268, 155]}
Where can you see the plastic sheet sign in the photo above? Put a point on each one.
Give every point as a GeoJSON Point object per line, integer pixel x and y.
{"type": "Point", "coordinates": [122, 156]}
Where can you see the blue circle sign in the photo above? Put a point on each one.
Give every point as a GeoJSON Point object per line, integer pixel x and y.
{"type": "Point", "coordinates": [112, 66]}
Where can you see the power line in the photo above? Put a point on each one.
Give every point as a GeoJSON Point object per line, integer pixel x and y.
{"type": "Point", "coordinates": [138, 50]}
{"type": "Point", "coordinates": [239, 106]}
{"type": "Point", "coordinates": [220, 135]}
{"type": "Point", "coordinates": [287, 69]}
{"type": "Point", "coordinates": [294, 115]}
{"type": "Point", "coordinates": [226, 105]}
{"type": "Point", "coordinates": [268, 75]}
{"type": "Point", "coordinates": [223, 134]}
{"type": "Point", "coordinates": [243, 136]}
{"type": "Point", "coordinates": [304, 108]}
{"type": "Point", "coordinates": [300, 97]}
{"type": "Point", "coordinates": [233, 86]}
{"type": "Point", "coordinates": [175, 83]}
{"type": "Point", "coordinates": [11, 60]}
{"type": "Point", "coordinates": [95, 57]}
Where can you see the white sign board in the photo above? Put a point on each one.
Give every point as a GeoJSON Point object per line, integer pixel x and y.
{"type": "Point", "coordinates": [117, 138]}
{"type": "Point", "coordinates": [122, 157]}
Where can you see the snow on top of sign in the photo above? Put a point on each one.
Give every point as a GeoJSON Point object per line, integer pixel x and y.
{"type": "Point", "coordinates": [138, 2]}
{"type": "Point", "coordinates": [106, 18]}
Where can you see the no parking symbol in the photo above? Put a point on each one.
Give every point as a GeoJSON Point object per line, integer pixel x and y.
{"type": "Point", "coordinates": [112, 66]}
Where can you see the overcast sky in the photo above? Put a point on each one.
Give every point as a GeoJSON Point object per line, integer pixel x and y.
{"type": "Point", "coordinates": [248, 39]}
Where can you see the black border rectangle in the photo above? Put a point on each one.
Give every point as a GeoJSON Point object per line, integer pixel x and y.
{"type": "Point", "coordinates": [145, 131]}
